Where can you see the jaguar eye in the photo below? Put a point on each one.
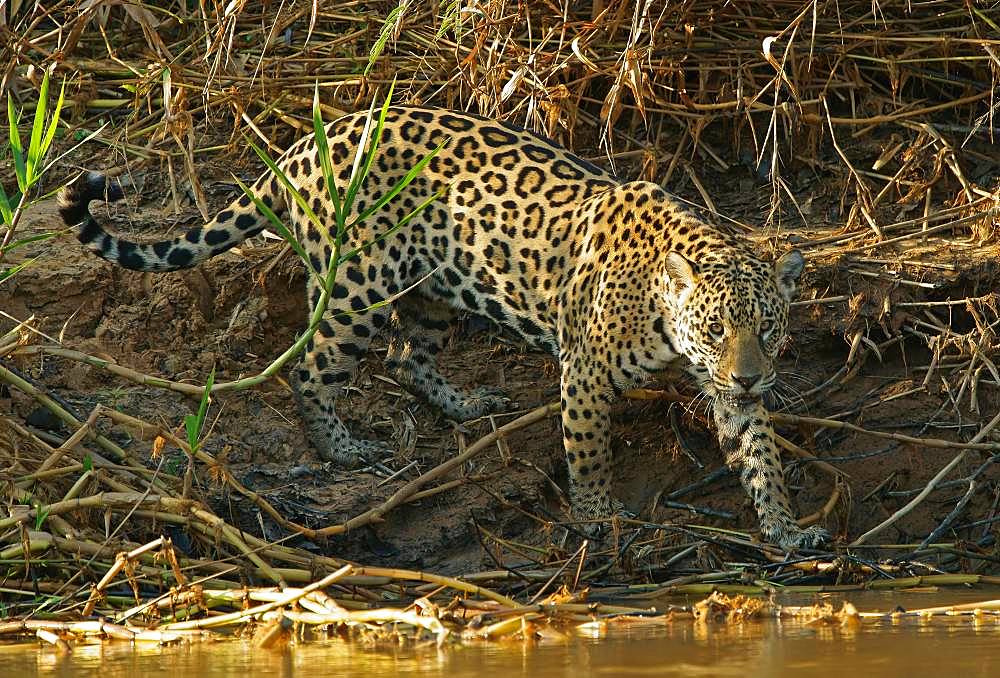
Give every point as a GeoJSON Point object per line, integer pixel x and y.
{"type": "Point", "coordinates": [716, 329]}
{"type": "Point", "coordinates": [766, 326]}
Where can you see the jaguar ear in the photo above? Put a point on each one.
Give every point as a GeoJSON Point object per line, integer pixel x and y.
{"type": "Point", "coordinates": [681, 271]}
{"type": "Point", "coordinates": [787, 271]}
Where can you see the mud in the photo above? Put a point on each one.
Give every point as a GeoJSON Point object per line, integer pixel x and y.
{"type": "Point", "coordinates": [242, 309]}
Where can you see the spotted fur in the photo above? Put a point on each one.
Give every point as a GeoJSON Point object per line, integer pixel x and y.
{"type": "Point", "coordinates": [613, 279]}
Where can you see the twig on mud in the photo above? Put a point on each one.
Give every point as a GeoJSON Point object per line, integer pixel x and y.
{"type": "Point", "coordinates": [960, 506]}
{"type": "Point", "coordinates": [50, 404]}
{"type": "Point", "coordinates": [404, 493]}
{"type": "Point", "coordinates": [699, 510]}
{"type": "Point", "coordinates": [807, 456]}
{"type": "Point", "coordinates": [141, 378]}
{"type": "Point", "coordinates": [652, 394]}
{"type": "Point", "coordinates": [930, 485]}
{"type": "Point", "coordinates": [839, 486]}
{"type": "Point", "coordinates": [709, 479]}
{"type": "Point", "coordinates": [71, 442]}
{"type": "Point", "coordinates": [939, 443]}
{"type": "Point", "coordinates": [675, 426]}
{"type": "Point", "coordinates": [950, 518]}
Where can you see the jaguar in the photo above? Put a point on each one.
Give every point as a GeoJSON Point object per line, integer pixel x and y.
{"type": "Point", "coordinates": [615, 279]}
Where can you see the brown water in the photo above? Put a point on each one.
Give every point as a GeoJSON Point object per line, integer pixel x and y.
{"type": "Point", "coordinates": [960, 646]}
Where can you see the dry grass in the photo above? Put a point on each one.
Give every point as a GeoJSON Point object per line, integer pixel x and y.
{"type": "Point", "coordinates": [651, 83]}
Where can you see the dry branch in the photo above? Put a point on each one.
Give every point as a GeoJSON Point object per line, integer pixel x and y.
{"type": "Point", "coordinates": [913, 503]}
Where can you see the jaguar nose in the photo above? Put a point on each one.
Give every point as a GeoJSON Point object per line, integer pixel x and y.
{"type": "Point", "coordinates": [747, 382]}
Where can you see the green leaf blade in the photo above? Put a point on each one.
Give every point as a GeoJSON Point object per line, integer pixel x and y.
{"type": "Point", "coordinates": [407, 179]}
{"type": "Point", "coordinates": [50, 133]}
{"type": "Point", "coordinates": [325, 161]}
{"type": "Point", "coordinates": [6, 213]}
{"type": "Point", "coordinates": [287, 183]}
{"type": "Point", "coordinates": [16, 148]}
{"type": "Point", "coordinates": [280, 227]}
{"type": "Point", "coordinates": [37, 129]}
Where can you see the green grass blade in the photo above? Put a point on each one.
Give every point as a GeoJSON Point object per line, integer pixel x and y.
{"type": "Point", "coordinates": [401, 184]}
{"type": "Point", "coordinates": [287, 183]}
{"type": "Point", "coordinates": [355, 181]}
{"type": "Point", "coordinates": [41, 515]}
{"type": "Point", "coordinates": [358, 179]}
{"type": "Point", "coordinates": [37, 128]}
{"type": "Point", "coordinates": [11, 272]}
{"type": "Point", "coordinates": [402, 222]}
{"type": "Point", "coordinates": [384, 33]}
{"type": "Point", "coordinates": [325, 162]}
{"type": "Point", "coordinates": [13, 119]}
{"type": "Point", "coordinates": [191, 427]}
{"type": "Point", "coordinates": [50, 133]}
{"type": "Point", "coordinates": [5, 211]}
{"type": "Point", "coordinates": [194, 423]}
{"type": "Point", "coordinates": [39, 237]}
{"type": "Point", "coordinates": [451, 18]}
{"type": "Point", "coordinates": [206, 396]}
{"type": "Point", "coordinates": [279, 226]}
{"type": "Point", "coordinates": [16, 149]}
{"type": "Point", "coordinates": [377, 137]}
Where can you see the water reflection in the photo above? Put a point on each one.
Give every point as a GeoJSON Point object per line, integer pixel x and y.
{"type": "Point", "coordinates": [966, 646]}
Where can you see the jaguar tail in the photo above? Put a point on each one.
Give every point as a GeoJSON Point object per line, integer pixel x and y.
{"type": "Point", "coordinates": [240, 220]}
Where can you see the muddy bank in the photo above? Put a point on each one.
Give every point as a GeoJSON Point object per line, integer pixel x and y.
{"type": "Point", "coordinates": [855, 355]}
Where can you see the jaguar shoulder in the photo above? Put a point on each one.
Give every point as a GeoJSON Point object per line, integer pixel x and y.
{"type": "Point", "coordinates": [614, 279]}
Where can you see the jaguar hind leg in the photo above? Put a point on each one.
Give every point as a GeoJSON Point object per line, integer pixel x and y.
{"type": "Point", "coordinates": [328, 366]}
{"type": "Point", "coordinates": [419, 330]}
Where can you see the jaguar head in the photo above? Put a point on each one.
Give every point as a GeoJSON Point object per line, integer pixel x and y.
{"type": "Point", "coordinates": [730, 314]}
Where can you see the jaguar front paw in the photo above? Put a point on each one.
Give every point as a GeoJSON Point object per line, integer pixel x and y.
{"type": "Point", "coordinates": [479, 403]}
{"type": "Point", "coordinates": [796, 538]}
{"type": "Point", "coordinates": [593, 511]}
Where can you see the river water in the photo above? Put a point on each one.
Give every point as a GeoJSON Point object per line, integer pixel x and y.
{"type": "Point", "coordinates": [955, 646]}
